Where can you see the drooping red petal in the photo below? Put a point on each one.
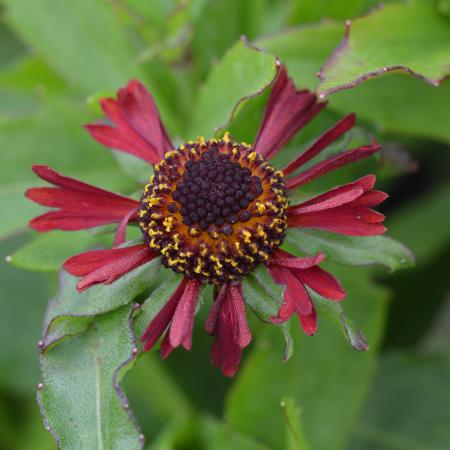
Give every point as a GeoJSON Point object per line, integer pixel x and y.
{"type": "Point", "coordinates": [285, 259]}
{"type": "Point", "coordinates": [287, 111]}
{"type": "Point", "coordinates": [81, 205]}
{"type": "Point", "coordinates": [324, 141]}
{"type": "Point", "coordinates": [180, 331]}
{"type": "Point", "coordinates": [332, 163]}
{"type": "Point", "coordinates": [213, 314]}
{"type": "Point", "coordinates": [121, 232]}
{"type": "Point", "coordinates": [295, 298]}
{"type": "Point", "coordinates": [138, 127]}
{"type": "Point", "coordinates": [106, 266]}
{"type": "Point", "coordinates": [242, 334]}
{"type": "Point", "coordinates": [227, 320]}
{"type": "Point", "coordinates": [294, 292]}
{"type": "Point", "coordinates": [309, 322]}
{"type": "Point", "coordinates": [162, 320]}
{"type": "Point", "coordinates": [321, 281]}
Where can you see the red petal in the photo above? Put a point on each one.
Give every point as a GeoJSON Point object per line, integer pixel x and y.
{"type": "Point", "coordinates": [166, 347]}
{"type": "Point", "coordinates": [121, 232]}
{"type": "Point", "coordinates": [81, 205]}
{"type": "Point", "coordinates": [287, 111]}
{"type": "Point", "coordinates": [285, 259]}
{"type": "Point", "coordinates": [75, 200]}
{"type": "Point", "coordinates": [337, 197]}
{"type": "Point", "coordinates": [161, 321]}
{"type": "Point", "coordinates": [242, 333]}
{"type": "Point", "coordinates": [334, 197]}
{"type": "Point", "coordinates": [336, 161]}
{"type": "Point", "coordinates": [213, 315]}
{"type": "Point", "coordinates": [138, 126]}
{"type": "Point", "coordinates": [295, 293]}
{"type": "Point", "coordinates": [349, 220]}
{"type": "Point", "coordinates": [322, 282]}
{"type": "Point", "coordinates": [55, 178]}
{"type": "Point", "coordinates": [140, 111]}
{"type": "Point", "coordinates": [324, 141]}
{"type": "Point", "coordinates": [182, 324]}
{"type": "Point", "coordinates": [70, 221]}
{"type": "Point", "coordinates": [296, 298]}
{"type": "Point", "coordinates": [309, 322]}
{"type": "Point", "coordinates": [123, 139]}
{"type": "Point", "coordinates": [371, 198]}
{"type": "Point", "coordinates": [232, 332]}
{"type": "Point", "coordinates": [106, 266]}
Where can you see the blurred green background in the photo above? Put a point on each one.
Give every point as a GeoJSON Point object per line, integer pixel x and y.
{"type": "Point", "coordinates": [57, 57]}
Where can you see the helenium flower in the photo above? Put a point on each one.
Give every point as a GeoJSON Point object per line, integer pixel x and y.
{"type": "Point", "coordinates": [214, 210]}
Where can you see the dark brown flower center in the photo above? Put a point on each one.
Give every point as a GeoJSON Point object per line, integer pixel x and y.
{"type": "Point", "coordinates": [215, 190]}
{"type": "Point", "coordinates": [214, 210]}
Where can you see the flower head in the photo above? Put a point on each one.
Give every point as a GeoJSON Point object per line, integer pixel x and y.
{"type": "Point", "coordinates": [213, 211]}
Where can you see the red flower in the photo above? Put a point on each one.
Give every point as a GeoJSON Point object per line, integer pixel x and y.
{"type": "Point", "coordinates": [214, 211]}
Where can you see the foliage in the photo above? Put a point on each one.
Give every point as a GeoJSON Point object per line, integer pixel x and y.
{"type": "Point", "coordinates": [58, 58]}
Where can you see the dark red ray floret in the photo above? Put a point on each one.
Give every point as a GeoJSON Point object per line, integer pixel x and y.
{"type": "Point", "coordinates": [138, 127]}
{"type": "Point", "coordinates": [106, 266]}
{"type": "Point", "coordinates": [320, 144]}
{"type": "Point", "coordinates": [288, 110]}
{"type": "Point", "coordinates": [296, 297]}
{"type": "Point", "coordinates": [345, 210]}
{"type": "Point", "coordinates": [332, 163]}
{"type": "Point", "coordinates": [227, 321]}
{"type": "Point", "coordinates": [178, 316]}
{"type": "Point", "coordinates": [80, 205]}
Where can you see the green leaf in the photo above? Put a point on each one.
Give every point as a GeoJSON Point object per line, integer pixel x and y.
{"type": "Point", "coordinates": [70, 312]}
{"type": "Point", "coordinates": [234, 19]}
{"type": "Point", "coordinates": [334, 312]}
{"type": "Point", "coordinates": [24, 296]}
{"type": "Point", "coordinates": [304, 49]}
{"type": "Point", "coordinates": [48, 251]}
{"type": "Point", "coordinates": [81, 399]}
{"type": "Point", "coordinates": [424, 213]}
{"type": "Point", "coordinates": [304, 11]}
{"type": "Point", "coordinates": [400, 104]}
{"type": "Point", "coordinates": [60, 30]}
{"type": "Point", "coordinates": [244, 72]}
{"type": "Point", "coordinates": [410, 37]}
{"type": "Point", "coordinates": [408, 407]}
{"type": "Point", "coordinates": [294, 425]}
{"type": "Point", "coordinates": [137, 168]}
{"type": "Point", "coordinates": [219, 436]}
{"type": "Point", "coordinates": [352, 250]}
{"type": "Point", "coordinates": [159, 402]}
{"type": "Point", "coordinates": [325, 377]}
{"type": "Point", "coordinates": [395, 103]}
{"type": "Point", "coordinates": [265, 297]}
{"type": "Point", "coordinates": [56, 127]}
{"type": "Point", "coordinates": [10, 46]}
{"type": "Point", "coordinates": [23, 84]}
